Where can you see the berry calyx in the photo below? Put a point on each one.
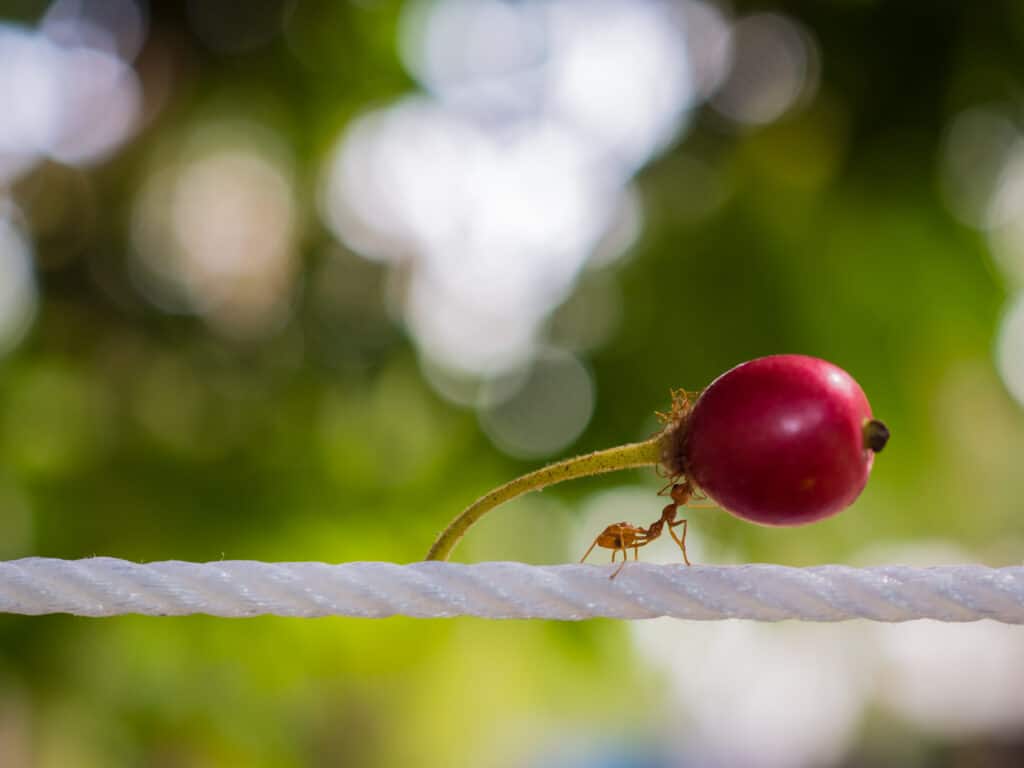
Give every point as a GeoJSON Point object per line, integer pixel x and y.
{"type": "Point", "coordinates": [876, 435]}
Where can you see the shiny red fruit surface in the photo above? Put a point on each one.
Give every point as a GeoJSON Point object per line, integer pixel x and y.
{"type": "Point", "coordinates": [782, 440]}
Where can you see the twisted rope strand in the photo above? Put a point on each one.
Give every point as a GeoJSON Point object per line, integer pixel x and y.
{"type": "Point", "coordinates": [103, 586]}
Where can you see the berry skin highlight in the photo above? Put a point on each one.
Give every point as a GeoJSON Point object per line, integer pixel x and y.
{"type": "Point", "coordinates": [780, 440]}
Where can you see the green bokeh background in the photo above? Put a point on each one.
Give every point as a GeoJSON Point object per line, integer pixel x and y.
{"type": "Point", "coordinates": [132, 433]}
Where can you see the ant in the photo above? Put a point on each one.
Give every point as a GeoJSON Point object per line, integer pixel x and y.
{"type": "Point", "coordinates": [619, 537]}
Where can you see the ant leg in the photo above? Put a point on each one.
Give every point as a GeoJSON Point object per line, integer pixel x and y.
{"type": "Point", "coordinates": [618, 570]}
{"type": "Point", "coordinates": [680, 541]}
{"type": "Point", "coordinates": [636, 553]}
{"type": "Point", "coordinates": [590, 550]}
{"type": "Point", "coordinates": [699, 495]}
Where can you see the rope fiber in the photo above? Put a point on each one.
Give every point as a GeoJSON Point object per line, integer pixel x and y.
{"type": "Point", "coordinates": [103, 586]}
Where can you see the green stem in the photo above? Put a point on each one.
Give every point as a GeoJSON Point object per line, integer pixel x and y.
{"type": "Point", "coordinates": [642, 454]}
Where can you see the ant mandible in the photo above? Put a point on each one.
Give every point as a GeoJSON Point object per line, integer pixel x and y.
{"type": "Point", "coordinates": [619, 537]}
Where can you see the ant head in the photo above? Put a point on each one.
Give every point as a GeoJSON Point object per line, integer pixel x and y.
{"type": "Point", "coordinates": [681, 493]}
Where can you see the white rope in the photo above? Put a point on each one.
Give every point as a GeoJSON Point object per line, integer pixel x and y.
{"type": "Point", "coordinates": [103, 586]}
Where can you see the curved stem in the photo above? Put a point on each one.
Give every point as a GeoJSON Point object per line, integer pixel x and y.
{"type": "Point", "coordinates": [628, 456]}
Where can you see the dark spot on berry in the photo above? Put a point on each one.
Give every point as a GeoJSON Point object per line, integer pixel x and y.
{"type": "Point", "coordinates": [876, 435]}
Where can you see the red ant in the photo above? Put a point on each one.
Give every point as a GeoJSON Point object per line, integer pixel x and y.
{"type": "Point", "coordinates": [619, 537]}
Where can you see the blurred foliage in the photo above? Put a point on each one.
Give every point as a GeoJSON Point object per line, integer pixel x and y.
{"type": "Point", "coordinates": [129, 432]}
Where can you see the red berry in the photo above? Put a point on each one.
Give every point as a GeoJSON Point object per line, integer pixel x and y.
{"type": "Point", "coordinates": [781, 440]}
